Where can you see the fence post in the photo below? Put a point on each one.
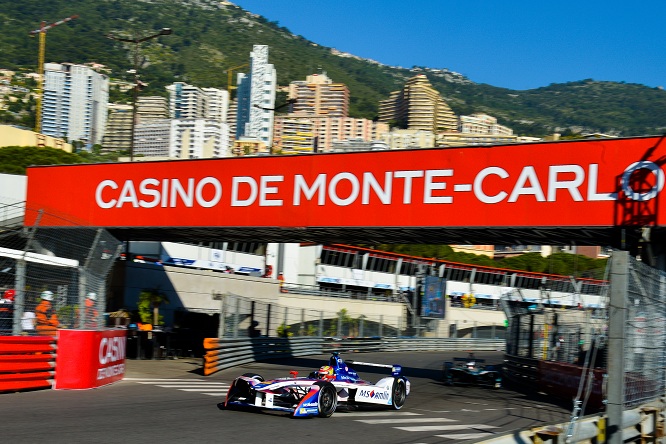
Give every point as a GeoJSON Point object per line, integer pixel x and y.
{"type": "Point", "coordinates": [321, 324]}
{"type": "Point", "coordinates": [285, 326]}
{"type": "Point", "coordinates": [221, 326]}
{"type": "Point", "coordinates": [268, 321]}
{"type": "Point", "coordinates": [19, 297]}
{"type": "Point", "coordinates": [237, 310]}
{"type": "Point", "coordinates": [619, 284]}
{"type": "Point", "coordinates": [302, 329]}
{"type": "Point", "coordinates": [381, 325]}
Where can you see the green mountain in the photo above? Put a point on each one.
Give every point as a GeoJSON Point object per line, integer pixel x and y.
{"type": "Point", "coordinates": [211, 37]}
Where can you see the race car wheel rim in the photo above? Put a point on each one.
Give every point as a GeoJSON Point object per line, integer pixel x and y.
{"type": "Point", "coordinates": [399, 394]}
{"type": "Point", "coordinates": [328, 401]}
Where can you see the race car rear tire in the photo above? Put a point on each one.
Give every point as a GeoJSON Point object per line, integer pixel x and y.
{"type": "Point", "coordinates": [399, 394]}
{"type": "Point", "coordinates": [328, 399]}
{"type": "Point", "coordinates": [254, 376]}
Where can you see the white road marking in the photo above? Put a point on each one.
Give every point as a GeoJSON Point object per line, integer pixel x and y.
{"type": "Point", "coordinates": [435, 428]}
{"type": "Point", "coordinates": [465, 436]}
{"type": "Point", "coordinates": [404, 420]}
{"type": "Point", "coordinates": [205, 389]}
{"type": "Point", "coordinates": [148, 380]}
{"type": "Point", "coordinates": [342, 413]}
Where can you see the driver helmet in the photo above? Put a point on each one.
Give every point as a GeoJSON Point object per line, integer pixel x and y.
{"type": "Point", "coordinates": [325, 372]}
{"type": "Point", "coordinates": [470, 365]}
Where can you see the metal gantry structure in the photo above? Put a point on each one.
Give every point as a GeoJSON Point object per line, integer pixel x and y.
{"type": "Point", "coordinates": [40, 65]}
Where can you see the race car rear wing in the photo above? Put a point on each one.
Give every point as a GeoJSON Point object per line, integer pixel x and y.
{"type": "Point", "coordinates": [396, 369]}
{"type": "Point", "coordinates": [469, 360]}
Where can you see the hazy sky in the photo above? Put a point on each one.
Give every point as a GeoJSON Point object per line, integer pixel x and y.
{"type": "Point", "coordinates": [517, 44]}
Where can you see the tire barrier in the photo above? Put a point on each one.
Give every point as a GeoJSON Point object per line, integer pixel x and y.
{"type": "Point", "coordinates": [26, 363]}
{"type": "Point", "coordinates": [226, 353]}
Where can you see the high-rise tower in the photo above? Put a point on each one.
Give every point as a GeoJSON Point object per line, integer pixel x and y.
{"type": "Point", "coordinates": [75, 102]}
{"type": "Point", "coordinates": [418, 106]}
{"type": "Point", "coordinates": [256, 98]}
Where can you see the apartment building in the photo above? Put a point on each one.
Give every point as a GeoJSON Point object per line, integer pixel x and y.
{"type": "Point", "coordinates": [74, 103]}
{"type": "Point", "coordinates": [480, 123]}
{"type": "Point", "coordinates": [319, 96]}
{"type": "Point", "coordinates": [151, 108]}
{"type": "Point", "coordinates": [152, 138]}
{"type": "Point", "coordinates": [299, 134]}
{"type": "Point", "coordinates": [198, 139]}
{"type": "Point", "coordinates": [256, 98]}
{"type": "Point", "coordinates": [418, 106]}
{"type": "Point", "coordinates": [398, 139]}
{"type": "Point", "coordinates": [118, 133]}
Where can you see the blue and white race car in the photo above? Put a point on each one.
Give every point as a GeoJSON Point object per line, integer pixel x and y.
{"type": "Point", "coordinates": [321, 392]}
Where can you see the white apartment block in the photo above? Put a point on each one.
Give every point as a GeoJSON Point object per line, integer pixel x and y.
{"type": "Point", "coordinates": [74, 102]}
{"type": "Point", "coordinates": [356, 145]}
{"type": "Point", "coordinates": [480, 123]}
{"type": "Point", "coordinates": [256, 98]}
{"type": "Point", "coordinates": [218, 103]}
{"type": "Point", "coordinates": [198, 139]}
{"type": "Point", "coordinates": [405, 139]}
{"type": "Point", "coordinates": [152, 138]}
{"type": "Point", "coordinates": [191, 102]}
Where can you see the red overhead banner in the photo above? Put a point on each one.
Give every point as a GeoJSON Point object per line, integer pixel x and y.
{"type": "Point", "coordinates": [605, 182]}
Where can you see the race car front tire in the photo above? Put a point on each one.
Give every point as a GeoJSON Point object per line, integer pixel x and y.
{"type": "Point", "coordinates": [399, 394]}
{"type": "Point", "coordinates": [328, 399]}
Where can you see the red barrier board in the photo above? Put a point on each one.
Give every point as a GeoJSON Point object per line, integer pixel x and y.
{"type": "Point", "coordinates": [88, 359]}
{"type": "Point", "coordinates": [599, 183]}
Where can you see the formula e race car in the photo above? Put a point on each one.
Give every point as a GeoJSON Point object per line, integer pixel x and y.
{"type": "Point", "coordinates": [472, 371]}
{"type": "Point", "coordinates": [321, 392]}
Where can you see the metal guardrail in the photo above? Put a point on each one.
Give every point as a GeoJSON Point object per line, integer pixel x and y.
{"type": "Point", "coordinates": [640, 425]}
{"type": "Point", "coordinates": [226, 353]}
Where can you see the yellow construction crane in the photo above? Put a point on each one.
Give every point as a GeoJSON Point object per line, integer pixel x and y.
{"type": "Point", "coordinates": [42, 49]}
{"type": "Point", "coordinates": [230, 73]}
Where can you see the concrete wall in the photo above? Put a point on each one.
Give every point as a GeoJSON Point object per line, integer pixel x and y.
{"type": "Point", "coordinates": [195, 289]}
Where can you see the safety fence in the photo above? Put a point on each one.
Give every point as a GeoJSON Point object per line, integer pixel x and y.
{"type": "Point", "coordinates": [243, 317]}
{"type": "Point", "coordinates": [26, 363]}
{"type": "Point", "coordinates": [53, 278]}
{"type": "Point", "coordinates": [226, 353]}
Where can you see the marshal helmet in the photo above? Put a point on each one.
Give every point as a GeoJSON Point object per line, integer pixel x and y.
{"type": "Point", "coordinates": [47, 295]}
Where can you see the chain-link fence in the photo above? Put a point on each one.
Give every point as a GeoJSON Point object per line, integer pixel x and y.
{"type": "Point", "coordinates": [53, 278]}
{"type": "Point", "coordinates": [645, 343]}
{"type": "Point", "coordinates": [580, 336]}
{"type": "Point", "coordinates": [243, 317]}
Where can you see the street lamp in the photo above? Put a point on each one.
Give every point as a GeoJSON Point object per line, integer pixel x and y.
{"type": "Point", "coordinates": [137, 41]}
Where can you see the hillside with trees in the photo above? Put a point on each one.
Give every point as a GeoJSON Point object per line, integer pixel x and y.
{"type": "Point", "coordinates": [211, 37]}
